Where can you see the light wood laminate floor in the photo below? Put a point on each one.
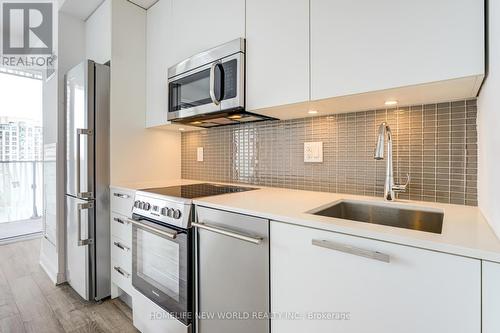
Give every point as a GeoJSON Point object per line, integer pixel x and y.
{"type": "Point", "coordinates": [29, 301]}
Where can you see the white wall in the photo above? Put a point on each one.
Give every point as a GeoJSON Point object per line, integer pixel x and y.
{"type": "Point", "coordinates": [49, 110]}
{"type": "Point", "coordinates": [98, 34]}
{"type": "Point", "coordinates": [71, 48]}
{"type": "Point", "coordinates": [49, 259]}
{"type": "Point", "coordinates": [488, 126]}
{"type": "Point", "coordinates": [137, 154]}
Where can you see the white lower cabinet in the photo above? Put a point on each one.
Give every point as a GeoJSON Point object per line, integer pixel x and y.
{"type": "Point", "coordinates": [122, 201]}
{"type": "Point", "coordinates": [345, 284]}
{"type": "Point", "coordinates": [121, 227]}
{"type": "Point", "coordinates": [121, 266]}
{"type": "Point", "coordinates": [121, 253]}
{"type": "Point", "coordinates": [121, 280]}
{"type": "Point", "coordinates": [491, 297]}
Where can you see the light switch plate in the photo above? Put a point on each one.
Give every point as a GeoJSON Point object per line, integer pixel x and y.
{"type": "Point", "coordinates": [199, 154]}
{"type": "Point", "coordinates": [313, 152]}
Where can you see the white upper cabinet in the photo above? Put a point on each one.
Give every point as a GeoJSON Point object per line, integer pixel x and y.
{"type": "Point", "coordinates": [328, 55]}
{"type": "Point", "coordinates": [201, 24]}
{"type": "Point", "coordinates": [159, 56]}
{"type": "Point", "coordinates": [362, 46]}
{"type": "Point", "coordinates": [380, 287]}
{"type": "Point", "coordinates": [277, 59]}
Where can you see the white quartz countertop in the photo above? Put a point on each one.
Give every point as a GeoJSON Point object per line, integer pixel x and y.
{"type": "Point", "coordinates": [465, 231]}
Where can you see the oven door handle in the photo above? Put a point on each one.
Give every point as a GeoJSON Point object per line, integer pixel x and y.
{"type": "Point", "coordinates": [171, 235]}
{"type": "Point", "coordinates": [227, 232]}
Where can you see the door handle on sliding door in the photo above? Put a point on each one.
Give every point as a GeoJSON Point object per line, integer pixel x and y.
{"type": "Point", "coordinates": [79, 133]}
{"type": "Point", "coordinates": [82, 206]}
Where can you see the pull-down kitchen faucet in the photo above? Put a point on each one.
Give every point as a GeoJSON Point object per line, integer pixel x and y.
{"type": "Point", "coordinates": [390, 189]}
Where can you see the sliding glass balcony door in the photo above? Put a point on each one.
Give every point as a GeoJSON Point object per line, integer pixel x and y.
{"type": "Point", "coordinates": [21, 155]}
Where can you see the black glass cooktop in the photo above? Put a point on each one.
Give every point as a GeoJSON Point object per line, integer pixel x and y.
{"type": "Point", "coordinates": [197, 190]}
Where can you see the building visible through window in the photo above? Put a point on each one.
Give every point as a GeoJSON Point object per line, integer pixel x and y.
{"type": "Point", "coordinates": [21, 153]}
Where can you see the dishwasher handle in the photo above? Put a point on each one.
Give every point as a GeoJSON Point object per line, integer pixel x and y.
{"type": "Point", "coordinates": [227, 232]}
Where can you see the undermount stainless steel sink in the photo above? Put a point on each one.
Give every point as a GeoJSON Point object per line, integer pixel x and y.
{"type": "Point", "coordinates": [397, 216]}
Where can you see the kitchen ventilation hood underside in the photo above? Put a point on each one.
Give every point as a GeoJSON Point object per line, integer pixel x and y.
{"type": "Point", "coordinates": [222, 119]}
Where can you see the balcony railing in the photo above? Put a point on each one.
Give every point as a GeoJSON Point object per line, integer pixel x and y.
{"type": "Point", "coordinates": [21, 195]}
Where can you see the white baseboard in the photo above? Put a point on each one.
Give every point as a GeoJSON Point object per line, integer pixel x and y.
{"type": "Point", "coordinates": [46, 265]}
{"type": "Point", "coordinates": [48, 261]}
{"type": "Point", "coordinates": [9, 240]}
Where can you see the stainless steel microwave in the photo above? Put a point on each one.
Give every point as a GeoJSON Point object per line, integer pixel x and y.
{"type": "Point", "coordinates": [208, 89]}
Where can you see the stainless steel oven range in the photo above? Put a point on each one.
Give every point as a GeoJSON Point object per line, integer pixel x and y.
{"type": "Point", "coordinates": [162, 245]}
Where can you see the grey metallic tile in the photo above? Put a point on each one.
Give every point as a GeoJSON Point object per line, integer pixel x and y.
{"type": "Point", "coordinates": [435, 143]}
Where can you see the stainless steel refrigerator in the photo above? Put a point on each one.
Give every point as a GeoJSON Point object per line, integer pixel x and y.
{"type": "Point", "coordinates": [87, 180]}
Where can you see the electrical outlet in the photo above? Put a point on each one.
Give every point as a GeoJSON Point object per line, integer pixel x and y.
{"type": "Point", "coordinates": [313, 152]}
{"type": "Point", "coordinates": [199, 154]}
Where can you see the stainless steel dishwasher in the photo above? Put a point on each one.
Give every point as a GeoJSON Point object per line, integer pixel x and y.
{"type": "Point", "coordinates": [232, 268]}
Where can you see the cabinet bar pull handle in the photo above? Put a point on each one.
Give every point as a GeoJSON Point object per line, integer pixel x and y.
{"type": "Point", "coordinates": [227, 232]}
{"type": "Point", "coordinates": [80, 207]}
{"type": "Point", "coordinates": [119, 220]}
{"type": "Point", "coordinates": [352, 250]}
{"type": "Point", "coordinates": [121, 246]}
{"type": "Point", "coordinates": [121, 195]}
{"type": "Point", "coordinates": [79, 133]}
{"type": "Point", "coordinates": [121, 271]}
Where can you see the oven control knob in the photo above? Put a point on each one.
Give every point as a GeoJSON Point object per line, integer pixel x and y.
{"type": "Point", "coordinates": [164, 211]}
{"type": "Point", "coordinates": [170, 212]}
{"type": "Point", "coordinates": [147, 206]}
{"type": "Point", "coordinates": [140, 205]}
{"type": "Point", "coordinates": [136, 203]}
{"type": "Point", "coordinates": [177, 214]}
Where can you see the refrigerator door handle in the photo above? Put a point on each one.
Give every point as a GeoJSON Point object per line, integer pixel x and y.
{"type": "Point", "coordinates": [82, 206]}
{"type": "Point", "coordinates": [79, 133]}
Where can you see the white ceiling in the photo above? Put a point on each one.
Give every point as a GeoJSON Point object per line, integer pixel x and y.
{"type": "Point", "coordinates": [144, 3]}
{"type": "Point", "coordinates": [81, 9]}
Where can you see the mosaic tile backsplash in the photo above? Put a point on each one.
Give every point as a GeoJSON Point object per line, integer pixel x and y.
{"type": "Point", "coordinates": [435, 143]}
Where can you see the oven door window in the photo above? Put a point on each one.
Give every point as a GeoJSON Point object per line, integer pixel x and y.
{"type": "Point", "coordinates": [158, 262]}
{"type": "Point", "coordinates": [160, 270]}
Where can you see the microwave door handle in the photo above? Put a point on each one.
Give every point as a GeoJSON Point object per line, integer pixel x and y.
{"type": "Point", "coordinates": [212, 83]}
